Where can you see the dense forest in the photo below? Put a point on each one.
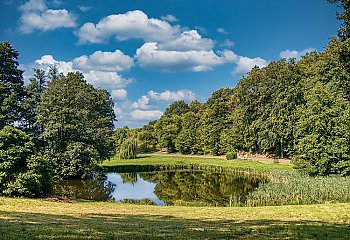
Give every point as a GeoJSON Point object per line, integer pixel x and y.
{"type": "Point", "coordinates": [60, 127]}
{"type": "Point", "coordinates": [294, 109]}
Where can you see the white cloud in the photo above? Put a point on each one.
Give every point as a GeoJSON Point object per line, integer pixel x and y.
{"type": "Point", "coordinates": [104, 79]}
{"type": "Point", "coordinates": [36, 15]}
{"type": "Point", "coordinates": [133, 24]}
{"type": "Point", "coordinates": [119, 94]}
{"type": "Point", "coordinates": [150, 57]}
{"type": "Point", "coordinates": [141, 103]}
{"type": "Point", "coordinates": [84, 8]}
{"type": "Point", "coordinates": [227, 44]}
{"type": "Point", "coordinates": [172, 96]}
{"type": "Point", "coordinates": [169, 18]}
{"type": "Point", "coordinates": [296, 54]}
{"type": "Point", "coordinates": [146, 114]}
{"type": "Point", "coordinates": [188, 40]}
{"type": "Point", "coordinates": [245, 64]}
{"type": "Point", "coordinates": [104, 61]}
{"type": "Point", "coordinates": [221, 30]}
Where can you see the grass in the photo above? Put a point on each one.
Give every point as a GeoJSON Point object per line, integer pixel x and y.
{"type": "Point", "coordinates": [43, 219]}
{"type": "Point", "coordinates": [293, 187]}
{"type": "Point", "coordinates": [149, 160]}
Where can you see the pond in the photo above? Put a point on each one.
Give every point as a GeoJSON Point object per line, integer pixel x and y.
{"type": "Point", "coordinates": [176, 187]}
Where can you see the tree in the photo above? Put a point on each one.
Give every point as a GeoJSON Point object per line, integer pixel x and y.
{"type": "Point", "coordinates": [33, 92]}
{"type": "Point", "coordinates": [167, 129]}
{"type": "Point", "coordinates": [22, 173]}
{"type": "Point", "coordinates": [344, 30]}
{"type": "Point", "coordinates": [187, 141]}
{"type": "Point", "coordinates": [128, 149]}
{"type": "Point", "coordinates": [11, 86]}
{"type": "Point", "coordinates": [322, 131]}
{"type": "Point", "coordinates": [77, 120]}
{"type": "Point", "coordinates": [176, 108]}
{"type": "Point", "coordinates": [214, 119]}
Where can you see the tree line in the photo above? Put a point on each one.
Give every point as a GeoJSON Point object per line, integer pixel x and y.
{"type": "Point", "coordinates": [294, 109]}
{"type": "Point", "coordinates": [56, 127]}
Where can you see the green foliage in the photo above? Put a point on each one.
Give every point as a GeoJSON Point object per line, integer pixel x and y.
{"type": "Point", "coordinates": [77, 122]}
{"type": "Point", "coordinates": [344, 30]}
{"type": "Point", "coordinates": [167, 129]}
{"type": "Point", "coordinates": [147, 138]}
{"type": "Point", "coordinates": [187, 140]}
{"type": "Point", "coordinates": [231, 155]}
{"type": "Point", "coordinates": [176, 108]}
{"type": "Point", "coordinates": [33, 92]}
{"type": "Point", "coordinates": [11, 85]}
{"type": "Point", "coordinates": [128, 149]}
{"type": "Point", "coordinates": [22, 173]}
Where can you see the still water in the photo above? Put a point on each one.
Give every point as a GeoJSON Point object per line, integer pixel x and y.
{"type": "Point", "coordinates": [185, 187]}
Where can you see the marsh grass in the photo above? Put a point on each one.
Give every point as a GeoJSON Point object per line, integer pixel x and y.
{"type": "Point", "coordinates": [293, 187]}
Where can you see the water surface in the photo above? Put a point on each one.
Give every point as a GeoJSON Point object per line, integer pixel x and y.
{"type": "Point", "coordinates": [180, 187]}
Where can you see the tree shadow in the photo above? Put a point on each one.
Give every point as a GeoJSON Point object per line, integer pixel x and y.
{"type": "Point", "coordinates": [21, 225]}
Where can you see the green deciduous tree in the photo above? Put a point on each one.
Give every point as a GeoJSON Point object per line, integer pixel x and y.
{"type": "Point", "coordinates": [77, 122]}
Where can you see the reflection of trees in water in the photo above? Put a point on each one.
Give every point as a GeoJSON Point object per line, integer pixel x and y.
{"type": "Point", "coordinates": [202, 187]}
{"type": "Point", "coordinates": [95, 189]}
{"type": "Point", "coordinates": [129, 177]}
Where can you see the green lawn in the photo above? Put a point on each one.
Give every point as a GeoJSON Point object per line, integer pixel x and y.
{"type": "Point", "coordinates": [183, 161]}
{"type": "Point", "coordinates": [43, 219]}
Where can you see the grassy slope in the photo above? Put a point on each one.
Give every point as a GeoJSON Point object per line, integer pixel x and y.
{"type": "Point", "coordinates": [42, 219]}
{"type": "Point", "coordinates": [159, 160]}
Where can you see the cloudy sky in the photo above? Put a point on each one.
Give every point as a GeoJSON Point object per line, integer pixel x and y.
{"type": "Point", "coordinates": [149, 53]}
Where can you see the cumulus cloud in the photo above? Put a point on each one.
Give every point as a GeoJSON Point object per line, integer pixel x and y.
{"type": "Point", "coordinates": [149, 56]}
{"type": "Point", "coordinates": [296, 54]}
{"type": "Point", "coordinates": [119, 94]}
{"type": "Point", "coordinates": [104, 61]}
{"type": "Point", "coordinates": [104, 79]}
{"type": "Point", "coordinates": [188, 40]}
{"type": "Point", "coordinates": [133, 24]}
{"type": "Point", "coordinates": [172, 96]}
{"type": "Point", "coordinates": [141, 103]}
{"type": "Point", "coordinates": [146, 114]}
{"type": "Point", "coordinates": [169, 18]}
{"type": "Point", "coordinates": [36, 15]}
{"type": "Point", "coordinates": [245, 64]}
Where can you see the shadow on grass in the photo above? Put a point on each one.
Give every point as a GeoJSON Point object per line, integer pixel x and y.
{"type": "Point", "coordinates": [18, 225]}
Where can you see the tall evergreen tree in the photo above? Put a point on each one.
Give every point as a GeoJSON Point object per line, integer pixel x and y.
{"type": "Point", "coordinates": [11, 85]}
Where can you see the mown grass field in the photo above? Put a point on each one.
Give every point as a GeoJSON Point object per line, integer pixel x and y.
{"type": "Point", "coordinates": [43, 219]}
{"type": "Point", "coordinates": [183, 161]}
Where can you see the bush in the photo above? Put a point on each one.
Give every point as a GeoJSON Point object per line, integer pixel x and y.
{"type": "Point", "coordinates": [128, 149]}
{"type": "Point", "coordinates": [22, 173]}
{"type": "Point", "coordinates": [231, 155]}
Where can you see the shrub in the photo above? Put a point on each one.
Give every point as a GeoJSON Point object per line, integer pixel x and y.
{"type": "Point", "coordinates": [22, 173]}
{"type": "Point", "coordinates": [231, 155]}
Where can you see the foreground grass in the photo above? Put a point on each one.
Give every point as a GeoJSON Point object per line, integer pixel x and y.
{"type": "Point", "coordinates": [145, 159]}
{"type": "Point", "coordinates": [43, 219]}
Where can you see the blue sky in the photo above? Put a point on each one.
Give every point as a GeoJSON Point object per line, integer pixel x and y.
{"type": "Point", "coordinates": [149, 53]}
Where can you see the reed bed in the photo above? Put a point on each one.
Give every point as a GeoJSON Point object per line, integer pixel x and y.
{"type": "Point", "coordinates": [295, 188]}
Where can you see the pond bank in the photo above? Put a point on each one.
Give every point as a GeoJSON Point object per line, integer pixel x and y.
{"type": "Point", "coordinates": [41, 219]}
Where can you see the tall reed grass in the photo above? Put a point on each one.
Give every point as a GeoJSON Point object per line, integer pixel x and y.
{"type": "Point", "coordinates": [293, 187]}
